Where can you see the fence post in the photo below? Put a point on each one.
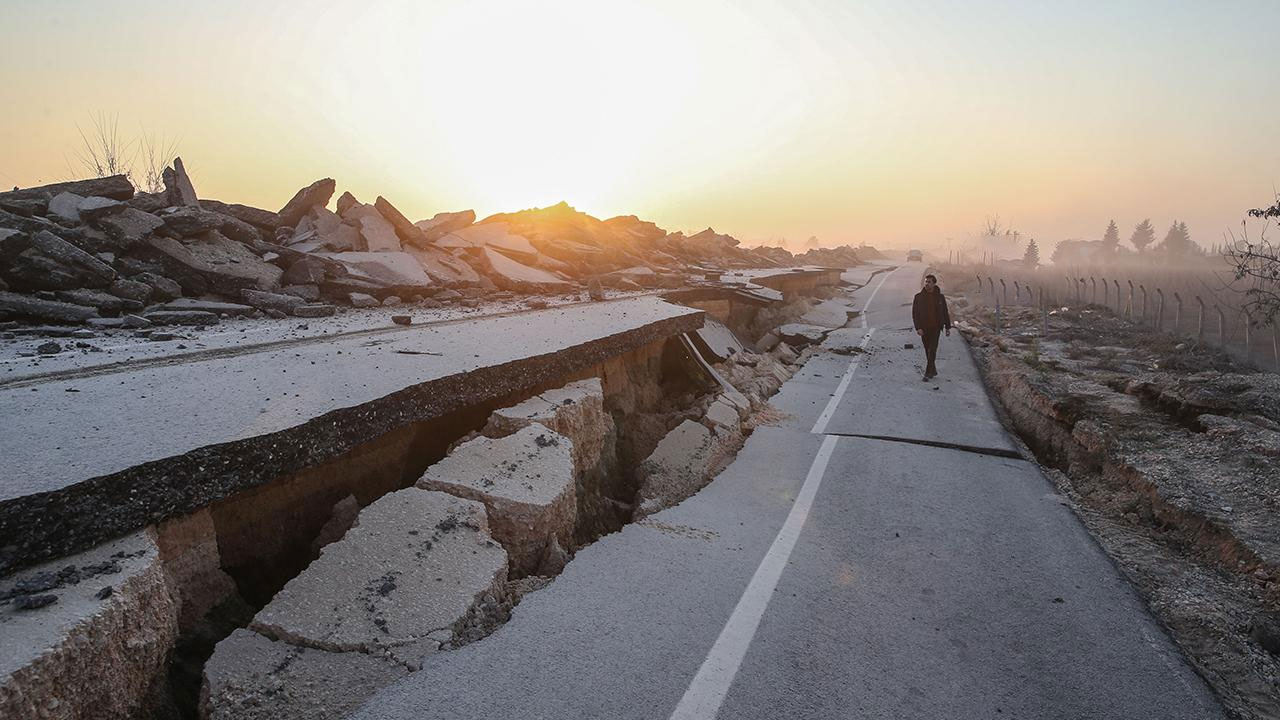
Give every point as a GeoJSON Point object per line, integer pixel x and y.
{"type": "Point", "coordinates": [1044, 315]}
{"type": "Point", "coordinates": [1118, 306]}
{"type": "Point", "coordinates": [1128, 307]}
{"type": "Point", "coordinates": [1177, 317]}
{"type": "Point", "coordinates": [1143, 321]}
{"type": "Point", "coordinates": [992, 285]}
{"type": "Point", "coordinates": [1222, 326]}
{"type": "Point", "coordinates": [1094, 283]}
{"type": "Point", "coordinates": [1200, 321]}
{"type": "Point", "coordinates": [1080, 291]}
{"type": "Point", "coordinates": [1106, 294]}
{"type": "Point", "coordinates": [1004, 291]}
{"type": "Point", "coordinates": [1017, 292]}
{"type": "Point", "coordinates": [1159, 309]}
{"type": "Point", "coordinates": [1248, 337]}
{"type": "Point", "coordinates": [979, 283]}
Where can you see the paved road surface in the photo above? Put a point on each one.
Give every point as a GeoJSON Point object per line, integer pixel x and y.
{"type": "Point", "coordinates": [826, 574]}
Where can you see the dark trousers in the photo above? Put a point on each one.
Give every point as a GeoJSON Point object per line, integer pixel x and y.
{"type": "Point", "coordinates": [930, 339]}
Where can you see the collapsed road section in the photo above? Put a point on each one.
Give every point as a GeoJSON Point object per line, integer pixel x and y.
{"type": "Point", "coordinates": [160, 507]}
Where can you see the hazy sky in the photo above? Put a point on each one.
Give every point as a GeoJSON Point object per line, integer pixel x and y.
{"type": "Point", "coordinates": [886, 122]}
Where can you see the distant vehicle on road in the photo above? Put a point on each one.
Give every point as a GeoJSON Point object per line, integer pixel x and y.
{"type": "Point", "coordinates": [915, 255]}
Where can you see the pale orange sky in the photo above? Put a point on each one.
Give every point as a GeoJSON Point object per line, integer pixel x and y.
{"type": "Point", "coordinates": [851, 121]}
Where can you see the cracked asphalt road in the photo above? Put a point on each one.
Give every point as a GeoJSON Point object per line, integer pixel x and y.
{"type": "Point", "coordinates": [830, 576]}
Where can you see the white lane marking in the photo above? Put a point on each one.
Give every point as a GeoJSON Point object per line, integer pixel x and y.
{"type": "Point", "coordinates": [820, 425]}
{"type": "Point", "coordinates": [707, 691]}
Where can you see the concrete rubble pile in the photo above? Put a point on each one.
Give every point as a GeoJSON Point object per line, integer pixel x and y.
{"type": "Point", "coordinates": [421, 570]}
{"type": "Point", "coordinates": [99, 253]}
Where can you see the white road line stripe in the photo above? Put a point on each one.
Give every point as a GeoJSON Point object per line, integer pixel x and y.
{"type": "Point", "coordinates": [706, 693]}
{"type": "Point", "coordinates": [820, 425]}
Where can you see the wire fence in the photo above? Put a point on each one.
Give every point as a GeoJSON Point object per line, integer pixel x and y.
{"type": "Point", "coordinates": [1196, 304]}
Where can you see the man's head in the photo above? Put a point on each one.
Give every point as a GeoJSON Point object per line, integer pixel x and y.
{"type": "Point", "coordinates": [930, 283]}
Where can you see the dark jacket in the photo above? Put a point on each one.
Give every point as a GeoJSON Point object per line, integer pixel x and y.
{"type": "Point", "coordinates": [920, 319]}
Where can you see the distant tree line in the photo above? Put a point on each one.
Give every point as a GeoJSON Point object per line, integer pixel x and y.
{"type": "Point", "coordinates": [1177, 246]}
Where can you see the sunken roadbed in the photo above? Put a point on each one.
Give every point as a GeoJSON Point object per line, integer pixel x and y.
{"type": "Point", "coordinates": [105, 453]}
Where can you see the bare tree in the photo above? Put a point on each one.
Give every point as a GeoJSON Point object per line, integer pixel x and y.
{"type": "Point", "coordinates": [1257, 261]}
{"type": "Point", "coordinates": [993, 226]}
{"type": "Point", "coordinates": [102, 152]}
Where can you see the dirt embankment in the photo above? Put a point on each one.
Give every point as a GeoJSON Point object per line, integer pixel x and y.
{"type": "Point", "coordinates": [1171, 453]}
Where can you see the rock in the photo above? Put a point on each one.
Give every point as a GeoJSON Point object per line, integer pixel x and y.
{"type": "Point", "coordinates": [594, 290]}
{"type": "Point", "coordinates": [130, 290]}
{"type": "Point", "coordinates": [361, 300]}
{"type": "Point", "coordinates": [254, 216]}
{"type": "Point", "coordinates": [129, 226]}
{"type": "Point", "coordinates": [250, 677]}
{"type": "Point", "coordinates": [378, 233]}
{"type": "Point", "coordinates": [93, 208]}
{"type": "Point", "coordinates": [341, 519]}
{"type": "Point", "coordinates": [107, 323]}
{"type": "Point", "coordinates": [391, 301]}
{"type": "Point", "coordinates": [135, 321]}
{"type": "Point", "coordinates": [802, 334]}
{"type": "Point", "coordinates": [88, 656]}
{"type": "Point", "coordinates": [317, 193]}
{"type": "Point", "coordinates": [98, 299]}
{"type": "Point", "coordinates": [30, 307]}
{"type": "Point", "coordinates": [676, 469]}
{"type": "Point", "coordinates": [66, 206]}
{"type": "Point", "coordinates": [525, 480]}
{"type": "Point", "coordinates": [402, 319]}
{"type": "Point", "coordinates": [49, 348]}
{"type": "Point", "coordinates": [444, 223]}
{"type": "Point", "coordinates": [417, 563]}
{"type": "Point", "coordinates": [271, 301]}
{"type": "Point", "coordinates": [307, 292]}
{"type": "Point", "coordinates": [397, 271]}
{"type": "Point", "coordinates": [345, 202]}
{"type": "Point", "coordinates": [226, 265]}
{"type": "Point", "coordinates": [405, 230]}
{"type": "Point", "coordinates": [94, 270]}
{"type": "Point", "coordinates": [443, 268]}
{"type": "Point", "coordinates": [116, 187]}
{"type": "Point", "coordinates": [161, 286]}
{"type": "Point", "coordinates": [25, 207]}
{"type": "Point", "coordinates": [314, 311]}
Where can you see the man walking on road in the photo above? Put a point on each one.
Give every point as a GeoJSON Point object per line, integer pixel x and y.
{"type": "Point", "coordinates": [930, 317]}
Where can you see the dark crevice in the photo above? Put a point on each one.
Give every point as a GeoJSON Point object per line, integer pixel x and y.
{"type": "Point", "coordinates": [994, 452]}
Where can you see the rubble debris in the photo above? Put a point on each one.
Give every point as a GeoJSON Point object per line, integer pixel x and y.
{"type": "Point", "coordinates": [177, 186]}
{"type": "Point", "coordinates": [314, 310]}
{"type": "Point", "coordinates": [261, 300]}
{"type": "Point", "coordinates": [316, 194]}
{"type": "Point", "coordinates": [264, 219]}
{"type": "Point", "coordinates": [115, 187]}
{"type": "Point", "coordinates": [405, 230]}
{"type": "Point", "coordinates": [442, 224]}
{"type": "Point", "coordinates": [389, 271]}
{"type": "Point", "coordinates": [360, 300]}
{"type": "Point", "coordinates": [50, 310]}
{"type": "Point", "coordinates": [402, 319]}
{"type": "Point", "coordinates": [525, 480]}
{"type": "Point", "coordinates": [378, 234]}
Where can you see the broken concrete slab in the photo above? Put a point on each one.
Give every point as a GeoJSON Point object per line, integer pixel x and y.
{"type": "Point", "coordinates": [314, 310]}
{"type": "Point", "coordinates": [723, 413]}
{"type": "Point", "coordinates": [177, 186]}
{"type": "Point", "coordinates": [378, 233]}
{"type": "Point", "coordinates": [575, 411]}
{"type": "Point", "coordinates": [272, 301]}
{"type": "Point", "coordinates": [417, 563]}
{"type": "Point", "coordinates": [251, 677]}
{"type": "Point", "coordinates": [116, 187]}
{"type": "Point", "coordinates": [226, 265]}
{"type": "Point", "coordinates": [361, 300]}
{"type": "Point", "coordinates": [397, 271]}
{"type": "Point", "coordinates": [51, 310]}
{"type": "Point", "coordinates": [317, 193]}
{"type": "Point", "coordinates": [498, 236]}
{"type": "Point", "coordinates": [716, 341]}
{"type": "Point", "coordinates": [94, 270]}
{"type": "Point", "coordinates": [511, 275]}
{"type": "Point", "coordinates": [129, 226]}
{"type": "Point", "coordinates": [181, 317]}
{"type": "Point", "coordinates": [525, 480]}
{"type": "Point", "coordinates": [346, 201]}
{"type": "Point", "coordinates": [443, 268]}
{"type": "Point", "coordinates": [216, 307]}
{"type": "Point", "coordinates": [104, 302]}
{"type": "Point", "coordinates": [442, 224]}
{"type": "Point", "coordinates": [405, 230]}
{"type": "Point", "coordinates": [163, 287]}
{"type": "Point", "coordinates": [676, 469]}
{"type": "Point", "coordinates": [95, 649]}
{"type": "Point", "coordinates": [802, 334]}
{"type": "Point", "coordinates": [92, 208]}
{"type": "Point", "coordinates": [254, 216]}
{"type": "Point", "coordinates": [66, 206]}
{"type": "Point", "coordinates": [189, 221]}
{"type": "Point", "coordinates": [130, 289]}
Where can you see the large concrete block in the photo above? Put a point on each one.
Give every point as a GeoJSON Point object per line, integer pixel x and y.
{"type": "Point", "coordinates": [400, 582]}
{"type": "Point", "coordinates": [86, 636]}
{"type": "Point", "coordinates": [576, 411]}
{"type": "Point", "coordinates": [676, 469]}
{"type": "Point", "coordinates": [525, 480]}
{"type": "Point", "coordinates": [251, 677]}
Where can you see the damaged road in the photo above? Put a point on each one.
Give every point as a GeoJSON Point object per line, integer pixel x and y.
{"type": "Point", "coordinates": [825, 576]}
